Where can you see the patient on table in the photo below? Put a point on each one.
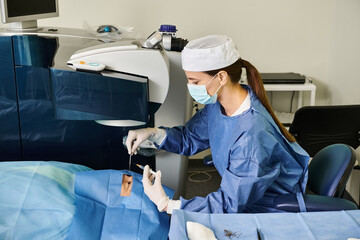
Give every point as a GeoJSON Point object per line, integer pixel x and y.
{"type": "Point", "coordinates": [111, 204]}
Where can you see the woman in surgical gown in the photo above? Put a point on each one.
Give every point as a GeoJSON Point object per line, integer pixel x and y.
{"type": "Point", "coordinates": [257, 158]}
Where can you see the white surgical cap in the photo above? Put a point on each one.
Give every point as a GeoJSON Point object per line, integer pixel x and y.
{"type": "Point", "coordinates": [209, 53]}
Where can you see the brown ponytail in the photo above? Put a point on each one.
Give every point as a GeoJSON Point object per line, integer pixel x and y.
{"type": "Point", "coordinates": [256, 84]}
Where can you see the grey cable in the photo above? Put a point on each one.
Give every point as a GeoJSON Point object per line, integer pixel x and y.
{"type": "Point", "coordinates": [192, 173]}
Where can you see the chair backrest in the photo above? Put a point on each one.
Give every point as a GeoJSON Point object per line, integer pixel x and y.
{"type": "Point", "coordinates": [315, 127]}
{"type": "Point", "coordinates": [330, 170]}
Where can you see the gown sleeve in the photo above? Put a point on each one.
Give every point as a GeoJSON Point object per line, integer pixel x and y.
{"type": "Point", "coordinates": [244, 181]}
{"type": "Point", "coordinates": [189, 139]}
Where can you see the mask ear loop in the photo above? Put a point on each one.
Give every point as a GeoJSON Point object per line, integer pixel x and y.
{"type": "Point", "coordinates": [217, 89]}
{"type": "Point", "coordinates": [211, 79]}
{"type": "Point", "coordinates": [210, 82]}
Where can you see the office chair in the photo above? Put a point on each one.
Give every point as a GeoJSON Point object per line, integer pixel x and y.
{"type": "Point", "coordinates": [315, 127]}
{"type": "Point", "coordinates": [329, 172]}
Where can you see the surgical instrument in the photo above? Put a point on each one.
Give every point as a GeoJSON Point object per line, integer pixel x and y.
{"type": "Point", "coordinates": [130, 161]}
{"type": "Point", "coordinates": [259, 234]}
{"type": "Point", "coordinates": [142, 167]}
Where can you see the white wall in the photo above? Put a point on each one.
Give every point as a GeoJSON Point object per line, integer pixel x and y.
{"type": "Point", "coordinates": [343, 70]}
{"type": "Point", "coordinates": [318, 38]}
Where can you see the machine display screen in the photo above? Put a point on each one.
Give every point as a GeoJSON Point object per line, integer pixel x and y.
{"type": "Point", "coordinates": [18, 8]}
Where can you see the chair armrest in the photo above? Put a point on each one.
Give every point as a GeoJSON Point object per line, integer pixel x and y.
{"type": "Point", "coordinates": [314, 203]}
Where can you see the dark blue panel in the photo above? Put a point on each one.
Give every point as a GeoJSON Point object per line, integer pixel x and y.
{"type": "Point", "coordinates": [47, 138]}
{"type": "Point", "coordinates": [10, 145]}
{"type": "Point", "coordinates": [89, 96]}
{"type": "Point", "coordinates": [34, 51]}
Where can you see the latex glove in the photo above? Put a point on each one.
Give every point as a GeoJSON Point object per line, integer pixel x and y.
{"type": "Point", "coordinates": [136, 137]}
{"type": "Point", "coordinates": [155, 191]}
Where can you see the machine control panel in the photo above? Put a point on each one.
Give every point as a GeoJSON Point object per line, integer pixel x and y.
{"type": "Point", "coordinates": [87, 66]}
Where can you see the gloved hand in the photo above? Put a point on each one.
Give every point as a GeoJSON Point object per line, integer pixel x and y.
{"type": "Point", "coordinates": [136, 137]}
{"type": "Point", "coordinates": [155, 191]}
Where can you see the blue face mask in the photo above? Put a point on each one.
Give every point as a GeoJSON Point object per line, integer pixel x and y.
{"type": "Point", "coordinates": [200, 94]}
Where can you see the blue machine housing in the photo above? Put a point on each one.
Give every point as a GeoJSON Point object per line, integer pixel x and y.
{"type": "Point", "coordinates": [87, 96]}
{"type": "Point", "coordinates": [10, 146]}
{"type": "Point", "coordinates": [48, 114]}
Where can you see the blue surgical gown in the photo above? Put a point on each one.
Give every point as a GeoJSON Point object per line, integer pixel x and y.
{"type": "Point", "coordinates": [256, 162]}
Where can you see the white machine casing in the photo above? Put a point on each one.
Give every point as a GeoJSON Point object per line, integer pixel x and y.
{"type": "Point", "coordinates": [126, 56]}
{"type": "Point", "coordinates": [167, 86]}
